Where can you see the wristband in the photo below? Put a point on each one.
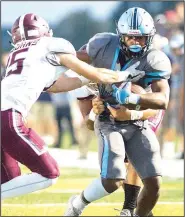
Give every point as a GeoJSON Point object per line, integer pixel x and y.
{"type": "Point", "coordinates": [132, 99]}
{"type": "Point", "coordinates": [92, 115]}
{"type": "Point", "coordinates": [136, 115]}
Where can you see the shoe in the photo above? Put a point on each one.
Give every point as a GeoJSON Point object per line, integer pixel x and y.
{"type": "Point", "coordinates": [71, 210]}
{"type": "Point", "coordinates": [82, 158]}
{"type": "Point", "coordinates": [125, 212]}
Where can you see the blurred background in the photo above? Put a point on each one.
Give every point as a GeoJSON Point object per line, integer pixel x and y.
{"type": "Point", "coordinates": [56, 117]}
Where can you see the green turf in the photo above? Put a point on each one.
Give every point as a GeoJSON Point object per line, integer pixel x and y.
{"type": "Point", "coordinates": [76, 180]}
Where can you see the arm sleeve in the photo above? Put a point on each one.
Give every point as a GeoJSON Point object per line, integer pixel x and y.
{"type": "Point", "coordinates": [58, 45]}
{"type": "Point", "coordinates": [158, 67]}
{"type": "Point", "coordinates": [82, 93]}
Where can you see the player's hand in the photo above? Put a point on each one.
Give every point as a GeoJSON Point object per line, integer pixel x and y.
{"type": "Point", "coordinates": [131, 73]}
{"type": "Point", "coordinates": [121, 114]}
{"type": "Point", "coordinates": [121, 93]}
{"type": "Point", "coordinates": [107, 76]}
{"type": "Point", "coordinates": [98, 105]}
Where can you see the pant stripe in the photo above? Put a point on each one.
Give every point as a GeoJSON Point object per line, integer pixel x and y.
{"type": "Point", "coordinates": [25, 138]}
{"type": "Point", "coordinates": [105, 156]}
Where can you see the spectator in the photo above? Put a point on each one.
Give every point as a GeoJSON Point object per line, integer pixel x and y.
{"type": "Point", "coordinates": [42, 119]}
{"type": "Point", "coordinates": [63, 111]}
{"type": "Point", "coordinates": [174, 116]}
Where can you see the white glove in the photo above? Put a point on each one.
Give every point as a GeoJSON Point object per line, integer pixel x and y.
{"type": "Point", "coordinates": [131, 73]}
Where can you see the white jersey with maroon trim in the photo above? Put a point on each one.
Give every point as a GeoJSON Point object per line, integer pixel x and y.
{"type": "Point", "coordinates": [32, 68]}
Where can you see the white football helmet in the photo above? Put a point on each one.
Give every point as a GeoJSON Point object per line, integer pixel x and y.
{"type": "Point", "coordinates": [28, 27]}
{"type": "Point", "coordinates": [136, 22]}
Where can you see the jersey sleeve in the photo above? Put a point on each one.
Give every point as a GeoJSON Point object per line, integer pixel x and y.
{"type": "Point", "coordinates": [58, 45]}
{"type": "Point", "coordinates": [82, 93]}
{"type": "Point", "coordinates": [83, 48]}
{"type": "Point", "coordinates": [158, 67]}
{"type": "Point", "coordinates": [97, 43]}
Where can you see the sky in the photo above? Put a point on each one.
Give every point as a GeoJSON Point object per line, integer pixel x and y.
{"type": "Point", "coordinates": [53, 10]}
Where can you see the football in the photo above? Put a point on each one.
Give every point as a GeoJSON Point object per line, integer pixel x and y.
{"type": "Point", "coordinates": [138, 90]}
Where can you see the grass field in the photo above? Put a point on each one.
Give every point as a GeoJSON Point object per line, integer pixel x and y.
{"type": "Point", "coordinates": [52, 201]}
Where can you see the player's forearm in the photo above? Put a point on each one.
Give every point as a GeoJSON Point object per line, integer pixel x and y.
{"type": "Point", "coordinates": [148, 113]}
{"type": "Point", "coordinates": [154, 100]}
{"type": "Point", "coordinates": [65, 84]}
{"type": "Point", "coordinates": [94, 74]}
{"type": "Point", "coordinates": [133, 114]}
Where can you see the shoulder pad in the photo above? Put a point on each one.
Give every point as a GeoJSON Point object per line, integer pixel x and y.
{"type": "Point", "coordinates": [60, 45]}
{"type": "Point", "coordinates": [97, 42]}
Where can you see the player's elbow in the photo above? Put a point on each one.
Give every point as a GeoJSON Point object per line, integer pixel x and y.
{"type": "Point", "coordinates": [163, 104]}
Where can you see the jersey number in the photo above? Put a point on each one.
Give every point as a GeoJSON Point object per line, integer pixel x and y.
{"type": "Point", "coordinates": [15, 62]}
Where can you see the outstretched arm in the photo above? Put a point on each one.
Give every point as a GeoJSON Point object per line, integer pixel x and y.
{"type": "Point", "coordinates": [158, 99]}
{"type": "Point", "coordinates": [98, 75]}
{"type": "Point", "coordinates": [64, 84]}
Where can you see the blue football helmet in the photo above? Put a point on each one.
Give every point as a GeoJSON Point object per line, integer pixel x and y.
{"type": "Point", "coordinates": [136, 22]}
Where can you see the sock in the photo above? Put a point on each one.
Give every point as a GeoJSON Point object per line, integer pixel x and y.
{"type": "Point", "coordinates": [25, 184]}
{"type": "Point", "coordinates": [93, 192]}
{"type": "Point", "coordinates": [131, 194]}
{"type": "Point", "coordinates": [80, 202]}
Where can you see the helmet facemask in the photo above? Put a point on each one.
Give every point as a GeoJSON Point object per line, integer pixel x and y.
{"type": "Point", "coordinates": [136, 50]}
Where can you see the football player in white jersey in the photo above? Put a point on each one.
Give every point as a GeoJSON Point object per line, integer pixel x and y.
{"type": "Point", "coordinates": [36, 63]}
{"type": "Point", "coordinates": [133, 136]}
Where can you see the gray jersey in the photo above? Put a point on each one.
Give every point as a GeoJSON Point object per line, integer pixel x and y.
{"type": "Point", "coordinates": [116, 138]}
{"type": "Point", "coordinates": [105, 52]}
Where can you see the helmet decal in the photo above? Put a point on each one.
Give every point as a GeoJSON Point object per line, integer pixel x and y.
{"type": "Point", "coordinates": [21, 27]}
